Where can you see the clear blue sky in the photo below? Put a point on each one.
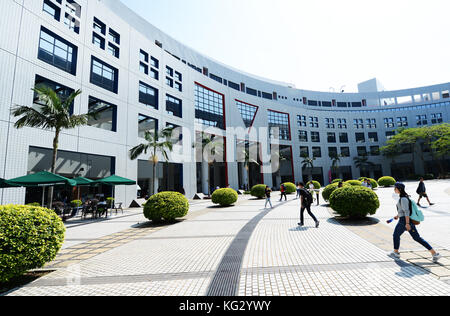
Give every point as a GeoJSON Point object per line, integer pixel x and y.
{"type": "Point", "coordinates": [315, 44]}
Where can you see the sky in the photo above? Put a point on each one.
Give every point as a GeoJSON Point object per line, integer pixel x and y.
{"type": "Point", "coordinates": [319, 45]}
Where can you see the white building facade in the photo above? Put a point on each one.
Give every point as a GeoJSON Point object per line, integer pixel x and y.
{"type": "Point", "coordinates": [141, 79]}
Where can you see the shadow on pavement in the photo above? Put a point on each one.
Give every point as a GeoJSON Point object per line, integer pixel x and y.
{"type": "Point", "coordinates": [299, 229]}
{"type": "Point", "coordinates": [407, 271]}
{"type": "Point", "coordinates": [368, 221]}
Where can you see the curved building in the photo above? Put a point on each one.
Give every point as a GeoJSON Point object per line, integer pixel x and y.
{"type": "Point", "coordinates": [139, 79]}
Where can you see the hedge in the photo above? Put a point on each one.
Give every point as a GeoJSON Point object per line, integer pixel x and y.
{"type": "Point", "coordinates": [317, 185]}
{"type": "Point", "coordinates": [224, 197]}
{"type": "Point", "coordinates": [259, 191]}
{"type": "Point", "coordinates": [386, 182]}
{"type": "Point", "coordinates": [166, 206]}
{"type": "Point", "coordinates": [354, 202]}
{"type": "Point", "coordinates": [290, 187]}
{"type": "Point", "coordinates": [30, 236]}
{"type": "Point", "coordinates": [373, 182]}
{"type": "Point", "coordinates": [354, 182]}
{"type": "Point", "coordinates": [329, 189]}
{"type": "Point", "coordinates": [336, 181]}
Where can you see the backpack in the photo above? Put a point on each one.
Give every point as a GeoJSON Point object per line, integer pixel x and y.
{"type": "Point", "coordinates": [308, 197]}
{"type": "Point", "coordinates": [416, 214]}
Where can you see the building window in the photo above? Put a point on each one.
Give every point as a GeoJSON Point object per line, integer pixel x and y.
{"type": "Point", "coordinates": [390, 135]}
{"type": "Point", "coordinates": [332, 152]}
{"type": "Point", "coordinates": [148, 95]}
{"type": "Point", "coordinates": [113, 50]}
{"type": "Point", "coordinates": [371, 123]}
{"type": "Point", "coordinates": [303, 136]}
{"type": "Point", "coordinates": [209, 107]}
{"type": "Point", "coordinates": [58, 52]}
{"type": "Point", "coordinates": [402, 122]}
{"type": "Point", "coordinates": [329, 122]}
{"type": "Point", "coordinates": [114, 36]}
{"type": "Point", "coordinates": [389, 122]}
{"type": "Point", "coordinates": [104, 115]}
{"type": "Point", "coordinates": [301, 121]}
{"type": "Point", "coordinates": [331, 137]}
{"type": "Point", "coordinates": [436, 118]}
{"type": "Point", "coordinates": [99, 26]}
{"type": "Point", "coordinates": [178, 76]}
{"type": "Point", "coordinates": [146, 124]}
{"type": "Point", "coordinates": [343, 137]}
{"type": "Point", "coordinates": [174, 106]}
{"type": "Point", "coordinates": [374, 150]}
{"type": "Point", "coordinates": [52, 9]}
{"type": "Point", "coordinates": [421, 120]}
{"type": "Point", "coordinates": [71, 23]}
{"type": "Point", "coordinates": [154, 62]}
{"type": "Point", "coordinates": [362, 151]}
{"type": "Point", "coordinates": [98, 41]}
{"type": "Point", "coordinates": [169, 82]}
{"type": "Point", "coordinates": [304, 151]}
{"type": "Point", "coordinates": [360, 137]}
{"type": "Point", "coordinates": [281, 121]}
{"type": "Point", "coordinates": [248, 112]}
{"type": "Point", "coordinates": [62, 91]}
{"type": "Point", "coordinates": [104, 75]}
{"type": "Point", "coordinates": [345, 152]}
{"type": "Point", "coordinates": [143, 56]}
{"type": "Point", "coordinates": [313, 122]}
{"type": "Point", "coordinates": [178, 86]}
{"type": "Point", "coordinates": [169, 71]}
{"type": "Point", "coordinates": [317, 152]}
{"type": "Point", "coordinates": [315, 137]}
{"type": "Point", "coordinates": [342, 123]}
{"type": "Point", "coordinates": [154, 74]}
{"type": "Point", "coordinates": [143, 68]}
{"type": "Point", "coordinates": [373, 137]}
{"type": "Point", "coordinates": [358, 123]}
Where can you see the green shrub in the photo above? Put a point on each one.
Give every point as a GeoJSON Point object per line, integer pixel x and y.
{"type": "Point", "coordinates": [166, 206]}
{"type": "Point", "coordinates": [336, 181]}
{"type": "Point", "coordinates": [428, 176]}
{"type": "Point", "coordinates": [36, 204]}
{"type": "Point", "coordinates": [224, 197]}
{"type": "Point", "coordinates": [386, 182]}
{"type": "Point", "coordinates": [373, 182]}
{"type": "Point", "coordinates": [329, 189]}
{"type": "Point", "coordinates": [317, 185]}
{"type": "Point", "coordinates": [354, 182]}
{"type": "Point", "coordinates": [354, 202]}
{"type": "Point", "coordinates": [30, 236]}
{"type": "Point", "coordinates": [290, 187]}
{"type": "Point", "coordinates": [259, 191]}
{"type": "Point", "coordinates": [76, 203]}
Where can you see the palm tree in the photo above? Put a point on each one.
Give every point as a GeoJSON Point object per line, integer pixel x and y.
{"type": "Point", "coordinates": [53, 113]}
{"type": "Point", "coordinates": [363, 163]}
{"type": "Point", "coordinates": [157, 142]}
{"type": "Point", "coordinates": [335, 161]}
{"type": "Point", "coordinates": [247, 161]}
{"type": "Point", "coordinates": [216, 146]}
{"type": "Point", "coordinates": [308, 162]}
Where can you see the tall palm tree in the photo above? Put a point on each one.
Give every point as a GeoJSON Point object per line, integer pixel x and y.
{"type": "Point", "coordinates": [157, 142]}
{"type": "Point", "coordinates": [247, 161]}
{"type": "Point", "coordinates": [216, 146]}
{"type": "Point", "coordinates": [53, 113]}
{"type": "Point", "coordinates": [308, 162]}
{"type": "Point", "coordinates": [363, 163]}
{"type": "Point", "coordinates": [335, 161]}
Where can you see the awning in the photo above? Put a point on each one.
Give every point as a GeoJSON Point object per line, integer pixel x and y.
{"type": "Point", "coordinates": [43, 178]}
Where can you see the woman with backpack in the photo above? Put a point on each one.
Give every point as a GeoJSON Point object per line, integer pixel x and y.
{"type": "Point", "coordinates": [306, 202]}
{"type": "Point", "coordinates": [404, 208]}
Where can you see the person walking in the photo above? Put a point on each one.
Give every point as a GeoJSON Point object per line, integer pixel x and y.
{"type": "Point", "coordinates": [283, 193]}
{"type": "Point", "coordinates": [298, 191]}
{"type": "Point", "coordinates": [422, 192]}
{"type": "Point", "coordinates": [404, 209]}
{"type": "Point", "coordinates": [267, 193]}
{"type": "Point", "coordinates": [306, 202]}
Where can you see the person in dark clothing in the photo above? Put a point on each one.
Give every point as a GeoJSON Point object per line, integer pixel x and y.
{"type": "Point", "coordinates": [283, 193]}
{"type": "Point", "coordinates": [267, 193]}
{"type": "Point", "coordinates": [422, 192]}
{"type": "Point", "coordinates": [306, 202]}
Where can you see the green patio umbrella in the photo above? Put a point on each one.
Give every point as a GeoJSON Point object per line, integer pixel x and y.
{"type": "Point", "coordinates": [42, 179]}
{"type": "Point", "coordinates": [113, 181]}
{"type": "Point", "coordinates": [6, 184]}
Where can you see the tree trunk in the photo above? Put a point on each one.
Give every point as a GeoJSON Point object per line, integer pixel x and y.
{"type": "Point", "coordinates": [53, 170]}
{"type": "Point", "coordinates": [154, 178]}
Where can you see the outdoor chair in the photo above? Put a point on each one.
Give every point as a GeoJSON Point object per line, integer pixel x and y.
{"type": "Point", "coordinates": [117, 207]}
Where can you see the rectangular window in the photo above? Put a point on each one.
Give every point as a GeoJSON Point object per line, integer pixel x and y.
{"type": "Point", "coordinates": [234, 86]}
{"type": "Point", "coordinates": [52, 9]}
{"type": "Point", "coordinates": [99, 26]}
{"type": "Point", "coordinates": [71, 23]}
{"type": "Point", "coordinates": [169, 71]}
{"type": "Point", "coordinates": [169, 82]}
{"type": "Point", "coordinates": [313, 122]}
{"type": "Point", "coordinates": [331, 137]}
{"type": "Point", "coordinates": [301, 121]}
{"type": "Point", "coordinates": [146, 123]}
{"type": "Point", "coordinates": [317, 152]}
{"type": "Point", "coordinates": [113, 50]}
{"type": "Point", "coordinates": [303, 136]}
{"type": "Point", "coordinates": [332, 152]}
{"type": "Point", "coordinates": [421, 120]}
{"type": "Point", "coordinates": [267, 96]}
{"type": "Point", "coordinates": [178, 86]}
{"type": "Point", "coordinates": [154, 62]}
{"type": "Point", "coordinates": [436, 118]}
{"type": "Point", "coordinates": [98, 41]}
{"type": "Point", "coordinates": [315, 137]}
{"type": "Point", "coordinates": [304, 151]}
{"type": "Point", "coordinates": [148, 95]}
{"type": "Point", "coordinates": [154, 74]}
{"type": "Point", "coordinates": [143, 68]}
{"type": "Point", "coordinates": [374, 150]}
{"type": "Point", "coordinates": [178, 76]}
{"type": "Point", "coordinates": [174, 106]}
{"type": "Point", "coordinates": [114, 36]}
{"type": "Point", "coordinates": [362, 151]}
{"type": "Point", "coordinates": [389, 122]}
{"type": "Point", "coordinates": [390, 135]}
{"type": "Point", "coordinates": [402, 122]}
{"type": "Point", "coordinates": [343, 137]}
{"type": "Point", "coordinates": [360, 137]}
{"type": "Point", "coordinates": [209, 107]}
{"type": "Point", "coordinates": [62, 91]}
{"type": "Point", "coordinates": [143, 56]}
{"type": "Point", "coordinates": [58, 52]}
{"type": "Point", "coordinates": [216, 78]}
{"type": "Point", "coordinates": [281, 122]}
{"type": "Point", "coordinates": [373, 137]}
{"type": "Point", "coordinates": [345, 152]}
{"type": "Point", "coordinates": [358, 124]}
{"type": "Point", "coordinates": [104, 115]}
{"type": "Point", "coordinates": [104, 75]}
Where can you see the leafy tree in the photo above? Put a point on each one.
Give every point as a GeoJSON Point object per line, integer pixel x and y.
{"type": "Point", "coordinates": [215, 144]}
{"type": "Point", "coordinates": [158, 142]}
{"type": "Point", "coordinates": [51, 113]}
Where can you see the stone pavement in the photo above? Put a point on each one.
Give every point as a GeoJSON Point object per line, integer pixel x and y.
{"type": "Point", "coordinates": [247, 251]}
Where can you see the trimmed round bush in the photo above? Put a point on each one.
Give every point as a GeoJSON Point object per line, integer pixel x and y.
{"type": "Point", "coordinates": [290, 187]}
{"type": "Point", "coordinates": [30, 236]}
{"type": "Point", "coordinates": [386, 182]}
{"type": "Point", "coordinates": [317, 184]}
{"type": "Point", "coordinates": [224, 197]}
{"type": "Point", "coordinates": [329, 189]}
{"type": "Point", "coordinates": [76, 203]}
{"type": "Point", "coordinates": [258, 191]}
{"type": "Point", "coordinates": [166, 206]}
{"type": "Point", "coordinates": [354, 182]}
{"type": "Point", "coordinates": [354, 202]}
{"type": "Point", "coordinates": [336, 181]}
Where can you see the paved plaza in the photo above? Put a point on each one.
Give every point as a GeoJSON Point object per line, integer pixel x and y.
{"type": "Point", "coordinates": [247, 250]}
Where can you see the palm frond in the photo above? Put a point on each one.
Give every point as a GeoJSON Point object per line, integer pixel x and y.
{"type": "Point", "coordinates": [135, 152]}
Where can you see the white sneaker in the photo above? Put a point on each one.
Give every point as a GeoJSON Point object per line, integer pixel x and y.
{"type": "Point", "coordinates": [436, 258]}
{"type": "Point", "coordinates": [394, 255]}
